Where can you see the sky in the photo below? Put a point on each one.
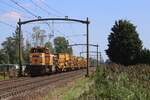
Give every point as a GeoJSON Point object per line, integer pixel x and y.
{"type": "Point", "coordinates": [101, 13]}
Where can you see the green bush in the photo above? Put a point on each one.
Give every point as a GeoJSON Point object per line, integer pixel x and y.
{"type": "Point", "coordinates": [116, 82]}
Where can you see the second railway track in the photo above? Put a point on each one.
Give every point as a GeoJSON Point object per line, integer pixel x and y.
{"type": "Point", "coordinates": [21, 86]}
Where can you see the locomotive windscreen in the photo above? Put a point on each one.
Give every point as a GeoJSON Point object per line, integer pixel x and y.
{"type": "Point", "coordinates": [39, 50]}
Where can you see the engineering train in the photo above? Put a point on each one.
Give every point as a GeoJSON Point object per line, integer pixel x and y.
{"type": "Point", "coordinates": [42, 62]}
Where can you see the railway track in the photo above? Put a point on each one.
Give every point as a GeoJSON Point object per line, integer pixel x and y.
{"type": "Point", "coordinates": [15, 87]}
{"type": "Point", "coordinates": [12, 80]}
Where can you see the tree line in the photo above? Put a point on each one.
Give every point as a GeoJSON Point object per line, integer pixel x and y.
{"type": "Point", "coordinates": [124, 45]}
{"type": "Point", "coordinates": [9, 48]}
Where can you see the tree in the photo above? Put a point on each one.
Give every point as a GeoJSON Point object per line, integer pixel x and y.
{"type": "Point", "coordinates": [61, 45]}
{"type": "Point", "coordinates": [3, 57]}
{"type": "Point", "coordinates": [124, 44]}
{"type": "Point", "coordinates": [108, 61]}
{"type": "Point", "coordinates": [38, 36]}
{"type": "Point", "coordinates": [50, 47]}
{"type": "Point", "coordinates": [144, 57]}
{"type": "Point", "coordinates": [26, 52]}
{"type": "Point", "coordinates": [9, 50]}
{"type": "Point", "coordinates": [16, 39]}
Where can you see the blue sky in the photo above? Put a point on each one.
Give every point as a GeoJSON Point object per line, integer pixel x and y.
{"type": "Point", "coordinates": [102, 14]}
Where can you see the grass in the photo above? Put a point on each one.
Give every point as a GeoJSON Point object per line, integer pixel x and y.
{"type": "Point", "coordinates": [2, 77]}
{"type": "Point", "coordinates": [70, 91]}
{"type": "Point", "coordinates": [115, 82]}
{"type": "Point", "coordinates": [110, 82]}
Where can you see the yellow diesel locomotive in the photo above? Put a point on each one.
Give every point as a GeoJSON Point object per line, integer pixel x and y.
{"type": "Point", "coordinates": [43, 62]}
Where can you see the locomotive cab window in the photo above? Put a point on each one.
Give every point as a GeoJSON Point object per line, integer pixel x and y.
{"type": "Point", "coordinates": [37, 51]}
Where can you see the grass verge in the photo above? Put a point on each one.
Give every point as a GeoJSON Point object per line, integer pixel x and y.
{"type": "Point", "coordinates": [110, 82]}
{"type": "Point", "coordinates": [115, 82]}
{"type": "Point", "coordinates": [71, 91]}
{"type": "Point", "coordinates": [2, 77]}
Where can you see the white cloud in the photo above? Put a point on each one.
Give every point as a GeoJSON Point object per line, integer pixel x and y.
{"type": "Point", "coordinates": [10, 16]}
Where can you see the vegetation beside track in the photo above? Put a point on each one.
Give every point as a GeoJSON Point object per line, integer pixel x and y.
{"type": "Point", "coordinates": [2, 77]}
{"type": "Point", "coordinates": [120, 83]}
{"type": "Point", "coordinates": [113, 82]}
{"type": "Point", "coordinates": [72, 90]}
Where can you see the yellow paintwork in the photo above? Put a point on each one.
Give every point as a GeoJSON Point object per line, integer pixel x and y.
{"type": "Point", "coordinates": [63, 60]}
{"type": "Point", "coordinates": [37, 58]}
{"type": "Point", "coordinates": [41, 56]}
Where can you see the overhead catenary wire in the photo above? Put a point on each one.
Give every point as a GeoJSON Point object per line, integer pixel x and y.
{"type": "Point", "coordinates": [7, 4]}
{"type": "Point", "coordinates": [43, 9]}
{"type": "Point", "coordinates": [58, 12]}
{"type": "Point", "coordinates": [49, 13]}
{"type": "Point", "coordinates": [10, 6]}
{"type": "Point", "coordinates": [2, 22]}
{"type": "Point", "coordinates": [67, 36]}
{"type": "Point", "coordinates": [12, 26]}
{"type": "Point", "coordinates": [7, 24]}
{"type": "Point", "coordinates": [7, 12]}
{"type": "Point", "coordinates": [28, 11]}
{"type": "Point", "coordinates": [75, 35]}
{"type": "Point", "coordinates": [48, 6]}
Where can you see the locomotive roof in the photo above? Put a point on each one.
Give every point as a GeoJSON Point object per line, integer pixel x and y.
{"type": "Point", "coordinates": [39, 47]}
